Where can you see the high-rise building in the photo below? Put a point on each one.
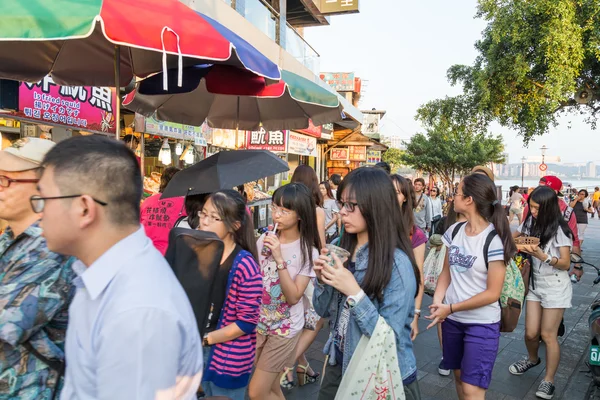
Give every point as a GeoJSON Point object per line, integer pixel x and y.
{"type": "Point", "coordinates": [590, 169]}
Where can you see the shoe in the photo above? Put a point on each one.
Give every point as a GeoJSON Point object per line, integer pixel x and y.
{"type": "Point", "coordinates": [442, 370]}
{"type": "Point", "coordinates": [284, 382]}
{"type": "Point", "coordinates": [545, 390]}
{"type": "Point", "coordinates": [522, 366]}
{"type": "Point", "coordinates": [561, 328]}
{"type": "Point", "coordinates": [304, 377]}
{"type": "Point", "coordinates": [574, 279]}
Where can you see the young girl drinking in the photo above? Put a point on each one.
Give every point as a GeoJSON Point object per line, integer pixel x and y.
{"type": "Point", "coordinates": [380, 279]}
{"type": "Point", "coordinates": [551, 291]}
{"type": "Point", "coordinates": [230, 341]}
{"type": "Point", "coordinates": [467, 293]}
{"type": "Point", "coordinates": [286, 271]}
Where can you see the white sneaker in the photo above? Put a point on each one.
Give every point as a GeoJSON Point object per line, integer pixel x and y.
{"type": "Point", "coordinates": [574, 279]}
{"type": "Point", "coordinates": [442, 370]}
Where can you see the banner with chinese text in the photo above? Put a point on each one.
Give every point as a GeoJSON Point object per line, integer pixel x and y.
{"type": "Point", "coordinates": [264, 140]}
{"type": "Point", "coordinates": [373, 157]}
{"type": "Point", "coordinates": [357, 153]}
{"type": "Point", "coordinates": [302, 145]}
{"type": "Point", "coordinates": [80, 107]}
{"type": "Point", "coordinates": [339, 154]}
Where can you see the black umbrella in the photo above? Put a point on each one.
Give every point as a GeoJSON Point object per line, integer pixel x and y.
{"type": "Point", "coordinates": [224, 170]}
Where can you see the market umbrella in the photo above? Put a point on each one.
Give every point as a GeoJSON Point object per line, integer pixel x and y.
{"type": "Point", "coordinates": [234, 99]}
{"type": "Point", "coordinates": [224, 170]}
{"type": "Point", "coordinates": [101, 42]}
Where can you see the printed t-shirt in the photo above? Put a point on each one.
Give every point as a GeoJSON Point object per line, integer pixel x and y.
{"type": "Point", "coordinates": [468, 273]}
{"type": "Point", "coordinates": [158, 218]}
{"type": "Point", "coordinates": [552, 248]}
{"type": "Point", "coordinates": [277, 317]}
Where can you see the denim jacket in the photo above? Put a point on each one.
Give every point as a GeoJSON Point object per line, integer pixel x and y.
{"type": "Point", "coordinates": [397, 308]}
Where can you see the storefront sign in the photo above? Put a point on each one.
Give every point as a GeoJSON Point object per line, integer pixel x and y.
{"type": "Point", "coordinates": [339, 154]}
{"type": "Point", "coordinates": [80, 107]}
{"type": "Point", "coordinates": [302, 145]}
{"type": "Point", "coordinates": [227, 139]}
{"type": "Point", "coordinates": [339, 81]}
{"type": "Point", "coordinates": [373, 157]}
{"type": "Point", "coordinates": [357, 153]}
{"type": "Point", "coordinates": [171, 129]}
{"type": "Point", "coordinates": [327, 131]}
{"type": "Point", "coordinates": [312, 130]}
{"type": "Point", "coordinates": [200, 141]}
{"type": "Point", "coordinates": [265, 140]}
{"type": "Point", "coordinates": [370, 126]}
{"type": "Point", "coordinates": [338, 6]}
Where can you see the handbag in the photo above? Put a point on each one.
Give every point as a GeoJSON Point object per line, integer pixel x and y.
{"type": "Point", "coordinates": [310, 315]}
{"type": "Point", "coordinates": [432, 268]}
{"type": "Point", "coordinates": [374, 370]}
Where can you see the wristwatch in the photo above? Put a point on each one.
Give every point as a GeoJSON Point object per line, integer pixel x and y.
{"type": "Point", "coordinates": [205, 341]}
{"type": "Point", "coordinates": [418, 312]}
{"type": "Point", "coordinates": [352, 301]}
{"type": "Point", "coordinates": [281, 266]}
{"type": "Point", "coordinates": [548, 260]}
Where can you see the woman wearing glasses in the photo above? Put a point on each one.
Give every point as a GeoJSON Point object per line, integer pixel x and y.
{"type": "Point", "coordinates": [230, 342]}
{"type": "Point", "coordinates": [380, 279]}
{"type": "Point", "coordinates": [286, 271]}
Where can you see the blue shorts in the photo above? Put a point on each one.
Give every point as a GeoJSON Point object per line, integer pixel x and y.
{"type": "Point", "coordinates": [471, 348]}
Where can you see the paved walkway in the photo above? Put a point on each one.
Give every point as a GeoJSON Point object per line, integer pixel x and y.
{"type": "Point", "coordinates": [572, 379]}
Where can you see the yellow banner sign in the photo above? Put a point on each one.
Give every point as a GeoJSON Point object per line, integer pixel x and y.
{"type": "Point", "coordinates": [338, 6]}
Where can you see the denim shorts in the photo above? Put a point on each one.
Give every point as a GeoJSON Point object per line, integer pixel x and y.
{"type": "Point", "coordinates": [472, 349]}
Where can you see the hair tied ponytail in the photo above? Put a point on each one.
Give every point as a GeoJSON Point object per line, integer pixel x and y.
{"type": "Point", "coordinates": [494, 203]}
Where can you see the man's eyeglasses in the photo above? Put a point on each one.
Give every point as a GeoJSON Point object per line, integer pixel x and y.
{"type": "Point", "coordinates": [38, 202]}
{"type": "Point", "coordinates": [280, 211]}
{"type": "Point", "coordinates": [347, 205]}
{"type": "Point", "coordinates": [5, 181]}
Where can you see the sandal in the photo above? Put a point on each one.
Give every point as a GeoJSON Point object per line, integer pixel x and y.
{"type": "Point", "coordinates": [303, 375]}
{"type": "Point", "coordinates": [284, 382]}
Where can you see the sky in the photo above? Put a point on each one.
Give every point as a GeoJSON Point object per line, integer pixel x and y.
{"type": "Point", "coordinates": [402, 50]}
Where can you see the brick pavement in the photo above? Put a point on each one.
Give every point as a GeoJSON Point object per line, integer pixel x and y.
{"type": "Point", "coordinates": [572, 379]}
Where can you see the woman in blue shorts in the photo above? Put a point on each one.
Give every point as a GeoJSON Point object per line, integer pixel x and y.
{"type": "Point", "coordinates": [468, 289]}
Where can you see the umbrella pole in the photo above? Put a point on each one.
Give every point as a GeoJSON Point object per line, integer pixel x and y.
{"type": "Point", "coordinates": [118, 91]}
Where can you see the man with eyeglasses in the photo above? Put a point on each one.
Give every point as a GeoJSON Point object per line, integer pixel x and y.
{"type": "Point", "coordinates": [132, 332]}
{"type": "Point", "coordinates": [35, 283]}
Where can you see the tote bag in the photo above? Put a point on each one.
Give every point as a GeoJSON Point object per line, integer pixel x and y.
{"type": "Point", "coordinates": [374, 370]}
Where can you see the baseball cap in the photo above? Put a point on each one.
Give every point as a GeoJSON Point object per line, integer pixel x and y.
{"type": "Point", "coordinates": [482, 169]}
{"type": "Point", "coordinates": [554, 183]}
{"type": "Point", "coordinates": [24, 154]}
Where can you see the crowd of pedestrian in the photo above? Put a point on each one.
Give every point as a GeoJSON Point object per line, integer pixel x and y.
{"type": "Point", "coordinates": [92, 309]}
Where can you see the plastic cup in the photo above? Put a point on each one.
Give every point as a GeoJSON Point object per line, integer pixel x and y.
{"type": "Point", "coordinates": [266, 252]}
{"type": "Point", "coordinates": [342, 254]}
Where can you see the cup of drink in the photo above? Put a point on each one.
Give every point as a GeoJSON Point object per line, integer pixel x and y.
{"type": "Point", "coordinates": [266, 252]}
{"type": "Point", "coordinates": [342, 254]}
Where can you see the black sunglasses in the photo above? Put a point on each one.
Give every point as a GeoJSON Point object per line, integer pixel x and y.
{"type": "Point", "coordinates": [38, 202]}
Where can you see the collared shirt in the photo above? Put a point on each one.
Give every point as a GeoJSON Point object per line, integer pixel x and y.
{"type": "Point", "coordinates": [35, 292]}
{"type": "Point", "coordinates": [132, 332]}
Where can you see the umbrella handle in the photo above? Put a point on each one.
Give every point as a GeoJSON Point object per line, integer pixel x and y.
{"type": "Point", "coordinates": [164, 59]}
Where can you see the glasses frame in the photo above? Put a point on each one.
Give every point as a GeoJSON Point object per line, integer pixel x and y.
{"type": "Point", "coordinates": [347, 205]}
{"type": "Point", "coordinates": [202, 215]}
{"type": "Point", "coordinates": [11, 180]}
{"type": "Point", "coordinates": [276, 210]}
{"type": "Point", "coordinates": [35, 198]}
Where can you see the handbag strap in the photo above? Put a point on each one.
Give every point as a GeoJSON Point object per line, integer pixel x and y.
{"type": "Point", "coordinates": [58, 366]}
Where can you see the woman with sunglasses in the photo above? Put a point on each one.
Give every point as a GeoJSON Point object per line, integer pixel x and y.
{"type": "Point", "coordinates": [381, 278]}
{"type": "Point", "coordinates": [436, 204]}
{"type": "Point", "coordinates": [230, 340]}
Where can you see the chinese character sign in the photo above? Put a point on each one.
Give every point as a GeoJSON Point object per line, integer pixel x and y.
{"type": "Point", "coordinates": [81, 107]}
{"type": "Point", "coordinates": [357, 153]}
{"type": "Point", "coordinates": [172, 130]}
{"type": "Point", "coordinates": [339, 154]}
{"type": "Point", "coordinates": [339, 81]}
{"type": "Point", "coordinates": [302, 145]}
{"type": "Point", "coordinates": [373, 157]}
{"type": "Point", "coordinates": [338, 6]}
{"type": "Point", "coordinates": [265, 140]}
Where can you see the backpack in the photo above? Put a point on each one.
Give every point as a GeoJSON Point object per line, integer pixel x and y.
{"type": "Point", "coordinates": [513, 290]}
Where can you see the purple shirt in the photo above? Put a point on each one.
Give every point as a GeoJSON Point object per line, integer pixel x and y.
{"type": "Point", "coordinates": [418, 237]}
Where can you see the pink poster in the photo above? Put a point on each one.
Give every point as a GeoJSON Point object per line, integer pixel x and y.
{"type": "Point", "coordinates": [80, 107]}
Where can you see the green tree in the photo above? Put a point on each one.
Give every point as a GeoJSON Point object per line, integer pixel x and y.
{"type": "Point", "coordinates": [393, 157]}
{"type": "Point", "coordinates": [455, 140]}
{"type": "Point", "coordinates": [537, 59]}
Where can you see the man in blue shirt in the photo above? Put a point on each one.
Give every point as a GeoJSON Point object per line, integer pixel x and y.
{"type": "Point", "coordinates": [132, 333]}
{"type": "Point", "coordinates": [35, 284]}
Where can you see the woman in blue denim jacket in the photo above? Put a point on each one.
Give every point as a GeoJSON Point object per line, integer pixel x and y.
{"type": "Point", "coordinates": [380, 279]}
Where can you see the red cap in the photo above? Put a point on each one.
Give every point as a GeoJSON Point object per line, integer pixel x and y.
{"type": "Point", "coordinates": [554, 183]}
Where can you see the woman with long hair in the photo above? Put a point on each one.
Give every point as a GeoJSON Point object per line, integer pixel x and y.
{"type": "Point", "coordinates": [515, 206]}
{"type": "Point", "coordinates": [308, 177]}
{"type": "Point", "coordinates": [381, 278]}
{"type": "Point", "coordinates": [550, 292]}
{"type": "Point", "coordinates": [468, 289]}
{"type": "Point", "coordinates": [437, 206]}
{"type": "Point", "coordinates": [331, 211]}
{"type": "Point", "coordinates": [230, 342]}
{"type": "Point", "coordinates": [581, 207]}
{"type": "Point", "coordinates": [406, 197]}
{"type": "Point", "coordinates": [287, 270]}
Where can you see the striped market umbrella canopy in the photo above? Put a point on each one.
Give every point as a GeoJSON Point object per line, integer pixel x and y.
{"type": "Point", "coordinates": [229, 98]}
{"type": "Point", "coordinates": [89, 42]}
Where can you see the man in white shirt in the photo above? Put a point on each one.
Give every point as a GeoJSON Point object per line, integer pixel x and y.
{"type": "Point", "coordinates": [132, 333]}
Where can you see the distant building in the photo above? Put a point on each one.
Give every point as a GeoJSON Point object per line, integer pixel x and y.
{"type": "Point", "coordinates": [395, 142]}
{"type": "Point", "coordinates": [590, 170]}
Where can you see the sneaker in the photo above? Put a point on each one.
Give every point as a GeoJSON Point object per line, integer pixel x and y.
{"type": "Point", "coordinates": [561, 328]}
{"type": "Point", "coordinates": [545, 390]}
{"type": "Point", "coordinates": [441, 370]}
{"type": "Point", "coordinates": [522, 366]}
{"type": "Point", "coordinates": [574, 279]}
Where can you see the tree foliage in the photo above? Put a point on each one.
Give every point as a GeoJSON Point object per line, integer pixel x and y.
{"type": "Point", "coordinates": [534, 56]}
{"type": "Point", "coordinates": [393, 157]}
{"type": "Point", "coordinates": [455, 140]}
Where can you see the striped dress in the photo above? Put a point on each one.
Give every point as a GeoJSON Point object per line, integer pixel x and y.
{"type": "Point", "coordinates": [230, 363]}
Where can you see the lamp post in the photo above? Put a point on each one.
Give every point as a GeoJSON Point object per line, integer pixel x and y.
{"type": "Point", "coordinates": [523, 171]}
{"type": "Point", "coordinates": [543, 149]}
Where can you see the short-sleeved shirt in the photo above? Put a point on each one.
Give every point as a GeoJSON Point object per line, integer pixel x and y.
{"type": "Point", "coordinates": [158, 218]}
{"type": "Point", "coordinates": [418, 237]}
{"type": "Point", "coordinates": [469, 273]}
{"type": "Point", "coordinates": [277, 317]}
{"type": "Point", "coordinates": [597, 196]}
{"type": "Point", "coordinates": [552, 249]}
{"type": "Point", "coordinates": [330, 206]}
